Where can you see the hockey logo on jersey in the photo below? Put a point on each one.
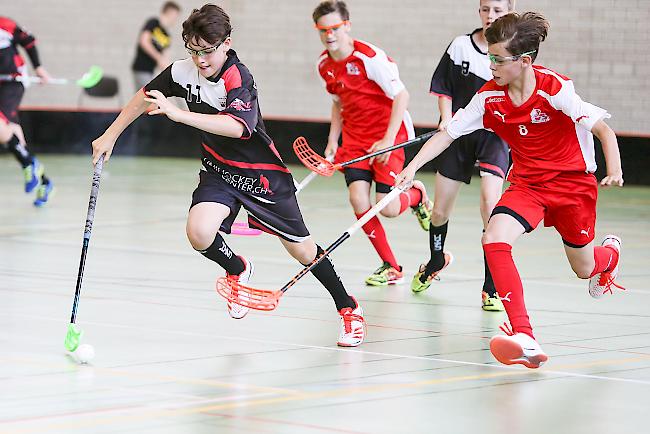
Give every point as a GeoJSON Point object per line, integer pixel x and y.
{"type": "Point", "coordinates": [240, 105]}
{"type": "Point", "coordinates": [352, 69]}
{"type": "Point", "coordinates": [537, 116]}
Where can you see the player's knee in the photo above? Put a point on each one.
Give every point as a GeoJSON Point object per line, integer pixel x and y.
{"type": "Point", "coordinates": [439, 216]}
{"type": "Point", "coordinates": [304, 252]}
{"type": "Point", "coordinates": [199, 237]}
{"type": "Point", "coordinates": [360, 202]}
{"type": "Point", "coordinates": [5, 133]}
{"type": "Point", "coordinates": [490, 236]}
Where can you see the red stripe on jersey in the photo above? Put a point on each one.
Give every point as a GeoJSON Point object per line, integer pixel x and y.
{"type": "Point", "coordinates": [364, 49]}
{"type": "Point", "coordinates": [440, 95]}
{"type": "Point", "coordinates": [231, 78]}
{"type": "Point", "coordinates": [7, 24]}
{"type": "Point", "coordinates": [243, 165]}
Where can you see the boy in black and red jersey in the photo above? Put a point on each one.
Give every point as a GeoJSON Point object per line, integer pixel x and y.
{"type": "Point", "coordinates": [11, 92]}
{"type": "Point", "coordinates": [369, 108]}
{"type": "Point", "coordinates": [241, 166]}
{"type": "Point", "coordinates": [461, 72]}
{"type": "Point", "coordinates": [549, 129]}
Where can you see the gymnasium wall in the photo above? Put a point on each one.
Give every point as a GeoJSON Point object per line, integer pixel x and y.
{"type": "Point", "coordinates": [601, 44]}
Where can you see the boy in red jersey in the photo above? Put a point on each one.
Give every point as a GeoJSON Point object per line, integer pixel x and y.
{"type": "Point", "coordinates": [369, 108]}
{"type": "Point", "coordinates": [11, 93]}
{"type": "Point", "coordinates": [462, 71]}
{"type": "Point", "coordinates": [549, 129]}
{"type": "Point", "coordinates": [241, 166]}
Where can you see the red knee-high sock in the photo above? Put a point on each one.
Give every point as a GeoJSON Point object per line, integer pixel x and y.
{"type": "Point", "coordinates": [605, 259]}
{"type": "Point", "coordinates": [508, 285]}
{"type": "Point", "coordinates": [377, 236]}
{"type": "Point", "coordinates": [409, 198]}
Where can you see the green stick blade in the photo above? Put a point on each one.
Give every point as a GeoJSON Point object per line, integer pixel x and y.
{"type": "Point", "coordinates": [91, 78]}
{"type": "Point", "coordinates": [73, 337]}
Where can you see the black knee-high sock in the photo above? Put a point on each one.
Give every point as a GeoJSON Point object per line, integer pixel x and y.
{"type": "Point", "coordinates": [220, 253]}
{"type": "Point", "coordinates": [327, 276]}
{"type": "Point", "coordinates": [437, 236]}
{"type": "Point", "coordinates": [20, 152]}
{"type": "Point", "coordinates": [488, 284]}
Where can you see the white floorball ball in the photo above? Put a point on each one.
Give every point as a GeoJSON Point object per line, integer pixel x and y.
{"type": "Point", "coordinates": [85, 353]}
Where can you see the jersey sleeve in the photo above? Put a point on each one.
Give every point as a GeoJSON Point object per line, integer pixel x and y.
{"type": "Point", "coordinates": [468, 119]}
{"type": "Point", "coordinates": [150, 25]}
{"type": "Point", "coordinates": [581, 112]}
{"type": "Point", "coordinates": [28, 42]}
{"type": "Point", "coordinates": [241, 99]}
{"type": "Point", "coordinates": [385, 73]}
{"type": "Point", "coordinates": [441, 82]}
{"type": "Point", "coordinates": [164, 83]}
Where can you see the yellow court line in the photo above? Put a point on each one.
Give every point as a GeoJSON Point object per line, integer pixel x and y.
{"type": "Point", "coordinates": [332, 393]}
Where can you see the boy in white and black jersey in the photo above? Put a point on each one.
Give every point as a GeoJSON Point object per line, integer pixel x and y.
{"type": "Point", "coordinates": [463, 69]}
{"type": "Point", "coordinates": [241, 166]}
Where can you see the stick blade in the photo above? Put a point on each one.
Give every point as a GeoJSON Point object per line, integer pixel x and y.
{"type": "Point", "coordinates": [258, 299]}
{"type": "Point", "coordinates": [73, 337]}
{"type": "Point", "coordinates": [91, 78]}
{"type": "Point", "coordinates": [311, 159]}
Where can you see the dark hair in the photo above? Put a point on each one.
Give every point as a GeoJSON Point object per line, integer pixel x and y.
{"type": "Point", "coordinates": [210, 23]}
{"type": "Point", "coordinates": [170, 5]}
{"type": "Point", "coordinates": [328, 7]}
{"type": "Point", "coordinates": [521, 33]}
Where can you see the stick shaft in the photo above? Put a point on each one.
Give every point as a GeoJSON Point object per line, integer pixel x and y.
{"type": "Point", "coordinates": [30, 79]}
{"type": "Point", "coordinates": [417, 140]}
{"type": "Point", "coordinates": [90, 216]}
{"type": "Point", "coordinates": [347, 234]}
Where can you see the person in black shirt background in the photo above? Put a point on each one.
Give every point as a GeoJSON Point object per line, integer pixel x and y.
{"type": "Point", "coordinates": [153, 41]}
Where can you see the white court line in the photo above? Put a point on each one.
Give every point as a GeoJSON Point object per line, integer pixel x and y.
{"type": "Point", "coordinates": [351, 350]}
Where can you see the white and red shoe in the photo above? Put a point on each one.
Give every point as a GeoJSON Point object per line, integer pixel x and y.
{"type": "Point", "coordinates": [517, 348]}
{"type": "Point", "coordinates": [601, 283]}
{"type": "Point", "coordinates": [235, 310]}
{"type": "Point", "coordinates": [353, 326]}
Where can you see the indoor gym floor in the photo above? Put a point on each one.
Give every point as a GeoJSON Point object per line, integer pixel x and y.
{"type": "Point", "coordinates": [170, 360]}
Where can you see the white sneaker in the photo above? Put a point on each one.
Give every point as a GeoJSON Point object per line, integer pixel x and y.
{"type": "Point", "coordinates": [235, 310]}
{"type": "Point", "coordinates": [518, 348]}
{"type": "Point", "coordinates": [601, 283]}
{"type": "Point", "coordinates": [353, 327]}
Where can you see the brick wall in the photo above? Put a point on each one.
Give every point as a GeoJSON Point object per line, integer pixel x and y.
{"type": "Point", "coordinates": [601, 44]}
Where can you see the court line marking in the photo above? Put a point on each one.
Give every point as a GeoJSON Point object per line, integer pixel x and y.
{"type": "Point", "coordinates": [351, 391]}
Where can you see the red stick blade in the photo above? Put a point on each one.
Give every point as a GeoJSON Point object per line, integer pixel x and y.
{"type": "Point", "coordinates": [311, 159]}
{"type": "Point", "coordinates": [258, 299]}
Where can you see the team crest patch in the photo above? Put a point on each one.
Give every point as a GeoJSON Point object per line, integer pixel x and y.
{"type": "Point", "coordinates": [352, 69]}
{"type": "Point", "coordinates": [240, 105]}
{"type": "Point", "coordinates": [537, 116]}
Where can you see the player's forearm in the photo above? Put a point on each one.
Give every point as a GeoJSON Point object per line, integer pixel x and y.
{"type": "Point", "coordinates": [336, 123]}
{"type": "Point", "coordinates": [131, 111]}
{"type": "Point", "coordinates": [609, 143]}
{"type": "Point", "coordinates": [221, 125]}
{"type": "Point", "coordinates": [444, 107]}
{"type": "Point", "coordinates": [431, 149]}
{"type": "Point", "coordinates": [400, 103]}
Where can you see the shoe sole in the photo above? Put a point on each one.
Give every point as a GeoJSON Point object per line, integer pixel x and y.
{"type": "Point", "coordinates": [492, 308]}
{"type": "Point", "coordinates": [511, 353]}
{"type": "Point", "coordinates": [392, 282]}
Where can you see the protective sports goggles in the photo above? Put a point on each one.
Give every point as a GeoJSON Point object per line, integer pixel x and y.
{"type": "Point", "coordinates": [332, 28]}
{"type": "Point", "coordinates": [204, 51]}
{"type": "Point", "coordinates": [499, 60]}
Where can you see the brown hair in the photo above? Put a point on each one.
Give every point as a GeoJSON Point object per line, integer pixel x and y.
{"type": "Point", "coordinates": [210, 23]}
{"type": "Point", "coordinates": [521, 33]}
{"type": "Point", "coordinates": [170, 5]}
{"type": "Point", "coordinates": [328, 7]}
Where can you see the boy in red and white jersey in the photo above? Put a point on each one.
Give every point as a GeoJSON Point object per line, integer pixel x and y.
{"type": "Point", "coordinates": [549, 129]}
{"type": "Point", "coordinates": [369, 108]}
